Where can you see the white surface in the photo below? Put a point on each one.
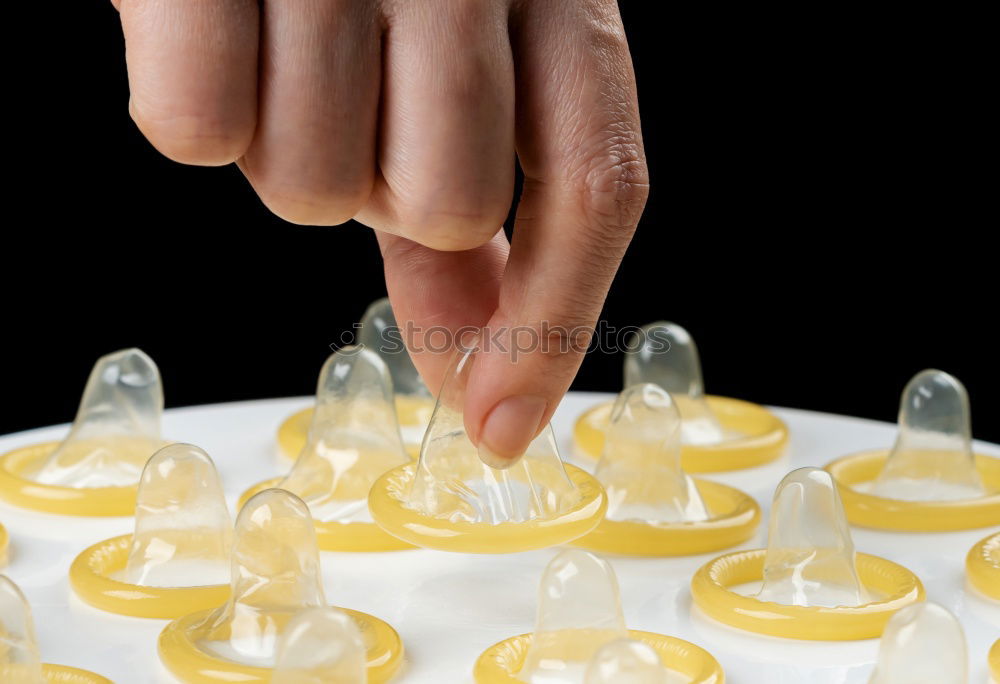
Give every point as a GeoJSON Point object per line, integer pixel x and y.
{"type": "Point", "coordinates": [449, 607]}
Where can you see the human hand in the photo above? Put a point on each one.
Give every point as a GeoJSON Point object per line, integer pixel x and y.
{"type": "Point", "coordinates": [406, 116]}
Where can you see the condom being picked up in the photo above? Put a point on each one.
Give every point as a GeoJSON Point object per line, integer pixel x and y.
{"type": "Point", "coordinates": [580, 637]}
{"type": "Point", "coordinates": [654, 508]}
{"type": "Point", "coordinates": [808, 583]}
{"type": "Point", "coordinates": [177, 559]}
{"type": "Point", "coordinates": [353, 439]}
{"type": "Point", "coordinates": [275, 576]}
{"type": "Point", "coordinates": [930, 480]}
{"type": "Point", "coordinates": [451, 501]}
{"type": "Point", "coordinates": [717, 433]}
{"type": "Point", "coordinates": [95, 470]}
{"type": "Point", "coordinates": [378, 333]}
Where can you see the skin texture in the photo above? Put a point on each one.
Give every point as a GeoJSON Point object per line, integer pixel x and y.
{"type": "Point", "coordinates": [407, 117]}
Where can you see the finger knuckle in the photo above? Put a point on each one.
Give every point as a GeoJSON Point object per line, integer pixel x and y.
{"type": "Point", "coordinates": [311, 206]}
{"type": "Point", "coordinates": [455, 226]}
{"type": "Point", "coordinates": [194, 138]}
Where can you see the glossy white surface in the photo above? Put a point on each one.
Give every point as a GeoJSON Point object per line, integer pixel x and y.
{"type": "Point", "coordinates": [449, 607]}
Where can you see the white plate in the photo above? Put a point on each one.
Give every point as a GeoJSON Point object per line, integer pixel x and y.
{"type": "Point", "coordinates": [449, 607]}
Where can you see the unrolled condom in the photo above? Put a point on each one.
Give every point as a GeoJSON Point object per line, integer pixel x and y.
{"type": "Point", "coordinates": [275, 575]}
{"type": "Point", "coordinates": [626, 661]}
{"type": "Point", "coordinates": [117, 426]}
{"type": "Point", "coordinates": [579, 611]}
{"type": "Point", "coordinates": [321, 646]}
{"type": "Point", "coordinates": [182, 526]}
{"type": "Point", "coordinates": [932, 459]}
{"type": "Point", "coordinates": [668, 357]}
{"type": "Point", "coordinates": [922, 644]}
{"type": "Point", "coordinates": [640, 468]}
{"type": "Point", "coordinates": [19, 660]}
{"type": "Point", "coordinates": [354, 438]}
{"type": "Point", "coordinates": [810, 557]}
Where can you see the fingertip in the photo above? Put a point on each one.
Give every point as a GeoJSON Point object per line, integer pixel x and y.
{"type": "Point", "coordinates": [194, 139]}
{"type": "Point", "coordinates": [509, 429]}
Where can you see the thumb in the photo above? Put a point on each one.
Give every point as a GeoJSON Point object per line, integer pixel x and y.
{"type": "Point", "coordinates": [586, 183]}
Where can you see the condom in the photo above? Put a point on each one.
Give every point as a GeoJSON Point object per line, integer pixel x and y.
{"type": "Point", "coordinates": [654, 507]}
{"type": "Point", "coordinates": [378, 333]}
{"type": "Point", "coordinates": [626, 661]}
{"type": "Point", "coordinates": [717, 433]}
{"type": "Point", "coordinates": [930, 480]}
{"type": "Point", "coordinates": [321, 646]}
{"type": "Point", "coordinates": [275, 574]}
{"type": "Point", "coordinates": [579, 612]}
{"type": "Point", "coordinates": [811, 583]}
{"type": "Point", "coordinates": [177, 559]}
{"type": "Point", "coordinates": [94, 470]}
{"type": "Point", "coordinates": [4, 546]}
{"type": "Point", "coordinates": [19, 658]}
{"type": "Point", "coordinates": [451, 501]}
{"type": "Point", "coordinates": [982, 566]}
{"type": "Point", "coordinates": [994, 660]}
{"type": "Point", "coordinates": [353, 439]}
{"type": "Point", "coordinates": [922, 644]}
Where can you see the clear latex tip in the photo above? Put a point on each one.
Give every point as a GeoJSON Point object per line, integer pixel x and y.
{"type": "Point", "coordinates": [353, 438]}
{"type": "Point", "coordinates": [182, 526]}
{"type": "Point", "coordinates": [932, 459]}
{"type": "Point", "coordinates": [321, 646]}
{"type": "Point", "coordinates": [626, 661]}
{"type": "Point", "coordinates": [810, 554]}
{"type": "Point", "coordinates": [452, 483]}
{"type": "Point", "coordinates": [664, 354]}
{"type": "Point", "coordinates": [19, 661]}
{"type": "Point", "coordinates": [275, 573]}
{"type": "Point", "coordinates": [380, 334]}
{"type": "Point", "coordinates": [579, 611]}
{"type": "Point", "coordinates": [640, 467]}
{"type": "Point", "coordinates": [922, 644]}
{"type": "Point", "coordinates": [117, 426]}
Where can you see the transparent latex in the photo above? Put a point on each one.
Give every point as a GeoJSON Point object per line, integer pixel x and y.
{"type": "Point", "coordinates": [665, 355]}
{"type": "Point", "coordinates": [275, 574]}
{"type": "Point", "coordinates": [19, 661]}
{"type": "Point", "coordinates": [626, 661]}
{"type": "Point", "coordinates": [117, 426]}
{"type": "Point", "coordinates": [810, 553]}
{"type": "Point", "coordinates": [932, 458]}
{"type": "Point", "coordinates": [353, 438]}
{"type": "Point", "coordinates": [641, 464]}
{"type": "Point", "coordinates": [922, 644]}
{"type": "Point", "coordinates": [183, 531]}
{"type": "Point", "coordinates": [321, 646]}
{"type": "Point", "coordinates": [579, 611]}
{"type": "Point", "coordinates": [452, 483]}
{"type": "Point", "coordinates": [380, 334]}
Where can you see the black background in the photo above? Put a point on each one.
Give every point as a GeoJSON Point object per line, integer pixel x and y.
{"type": "Point", "coordinates": [818, 220]}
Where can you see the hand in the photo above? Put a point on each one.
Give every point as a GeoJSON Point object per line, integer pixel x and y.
{"type": "Point", "coordinates": [406, 115]}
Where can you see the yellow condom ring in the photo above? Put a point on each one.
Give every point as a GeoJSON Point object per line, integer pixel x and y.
{"type": "Point", "coordinates": [294, 430]}
{"type": "Point", "coordinates": [63, 674]}
{"type": "Point", "coordinates": [91, 573]}
{"type": "Point", "coordinates": [868, 510]}
{"type": "Point", "coordinates": [335, 536]}
{"type": "Point", "coordinates": [983, 568]}
{"type": "Point", "coordinates": [17, 489]}
{"type": "Point", "coordinates": [385, 501]}
{"type": "Point", "coordinates": [994, 659]}
{"type": "Point", "coordinates": [710, 588]}
{"type": "Point", "coordinates": [500, 663]}
{"type": "Point", "coordinates": [193, 665]}
{"type": "Point", "coordinates": [4, 544]}
{"type": "Point", "coordinates": [766, 437]}
{"type": "Point", "coordinates": [737, 523]}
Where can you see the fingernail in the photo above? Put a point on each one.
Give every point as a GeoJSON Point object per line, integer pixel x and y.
{"type": "Point", "coordinates": [509, 429]}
